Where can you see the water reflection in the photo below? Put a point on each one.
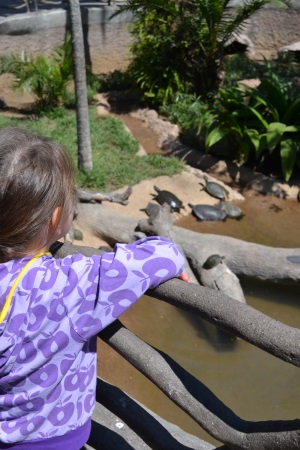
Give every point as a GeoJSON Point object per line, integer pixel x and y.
{"type": "Point", "coordinates": [254, 384]}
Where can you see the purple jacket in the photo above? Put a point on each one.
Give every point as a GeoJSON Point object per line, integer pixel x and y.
{"type": "Point", "coordinates": [48, 338]}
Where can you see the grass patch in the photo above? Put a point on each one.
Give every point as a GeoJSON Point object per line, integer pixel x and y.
{"type": "Point", "coordinates": [114, 150]}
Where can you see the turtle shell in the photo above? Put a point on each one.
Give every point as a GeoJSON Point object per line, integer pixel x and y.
{"type": "Point", "coordinates": [208, 213]}
{"type": "Point", "coordinates": [169, 198]}
{"type": "Point", "coordinates": [214, 189]}
{"type": "Point", "coordinates": [212, 261]}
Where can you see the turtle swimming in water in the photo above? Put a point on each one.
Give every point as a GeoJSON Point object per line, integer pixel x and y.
{"type": "Point", "coordinates": [232, 211]}
{"type": "Point", "coordinates": [169, 198]}
{"type": "Point", "coordinates": [208, 212]}
{"type": "Point", "coordinates": [214, 189]}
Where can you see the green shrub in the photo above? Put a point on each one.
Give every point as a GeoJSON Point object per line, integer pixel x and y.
{"type": "Point", "coordinates": [117, 80]}
{"type": "Point", "coordinates": [239, 67]}
{"type": "Point", "coordinates": [47, 78]}
{"type": "Point", "coordinates": [179, 46]}
{"type": "Point", "coordinates": [260, 126]}
{"type": "Point", "coordinates": [187, 111]}
{"type": "Point", "coordinates": [156, 66]}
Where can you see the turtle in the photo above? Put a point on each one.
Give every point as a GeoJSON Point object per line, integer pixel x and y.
{"type": "Point", "coordinates": [104, 248]}
{"type": "Point", "coordinates": [152, 209]}
{"type": "Point", "coordinates": [169, 198]}
{"type": "Point", "coordinates": [78, 235]}
{"type": "Point", "coordinates": [212, 261]}
{"type": "Point", "coordinates": [208, 212]}
{"type": "Point", "coordinates": [215, 274]}
{"type": "Point", "coordinates": [214, 189]}
{"type": "Point", "coordinates": [232, 211]}
{"type": "Point", "coordinates": [295, 259]}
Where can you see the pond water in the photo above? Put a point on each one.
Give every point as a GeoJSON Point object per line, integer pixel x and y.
{"type": "Point", "coordinates": [254, 384]}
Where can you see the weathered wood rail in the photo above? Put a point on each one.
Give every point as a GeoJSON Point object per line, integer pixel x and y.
{"type": "Point", "coordinates": [186, 391]}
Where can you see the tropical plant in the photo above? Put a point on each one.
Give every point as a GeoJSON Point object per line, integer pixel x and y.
{"type": "Point", "coordinates": [181, 43]}
{"type": "Point", "coordinates": [258, 125]}
{"type": "Point", "coordinates": [239, 66]}
{"type": "Point", "coordinates": [156, 66]}
{"type": "Point", "coordinates": [47, 78]}
{"type": "Point", "coordinates": [187, 110]}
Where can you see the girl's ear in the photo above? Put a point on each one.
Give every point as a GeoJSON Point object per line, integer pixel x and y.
{"type": "Point", "coordinates": [55, 218]}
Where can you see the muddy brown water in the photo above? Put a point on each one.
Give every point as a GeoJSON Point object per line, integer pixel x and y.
{"type": "Point", "coordinates": [254, 384]}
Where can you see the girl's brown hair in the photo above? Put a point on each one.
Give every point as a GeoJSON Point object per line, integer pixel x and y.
{"type": "Point", "coordinates": [36, 177]}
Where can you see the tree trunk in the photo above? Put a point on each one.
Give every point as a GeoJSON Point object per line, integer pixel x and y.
{"type": "Point", "coordinates": [85, 161]}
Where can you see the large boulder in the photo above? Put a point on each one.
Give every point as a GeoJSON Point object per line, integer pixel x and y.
{"type": "Point", "coordinates": [293, 49]}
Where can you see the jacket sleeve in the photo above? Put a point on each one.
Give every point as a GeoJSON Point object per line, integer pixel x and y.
{"type": "Point", "coordinates": [104, 287]}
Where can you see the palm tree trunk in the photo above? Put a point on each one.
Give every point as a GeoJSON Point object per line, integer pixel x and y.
{"type": "Point", "coordinates": [85, 161]}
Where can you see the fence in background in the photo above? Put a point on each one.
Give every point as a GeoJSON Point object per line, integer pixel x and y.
{"type": "Point", "coordinates": [36, 5]}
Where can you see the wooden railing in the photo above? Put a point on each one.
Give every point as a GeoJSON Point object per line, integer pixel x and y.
{"type": "Point", "coordinates": [186, 391]}
{"type": "Point", "coordinates": [190, 394]}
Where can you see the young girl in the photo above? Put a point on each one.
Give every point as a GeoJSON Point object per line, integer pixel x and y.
{"type": "Point", "coordinates": [51, 310]}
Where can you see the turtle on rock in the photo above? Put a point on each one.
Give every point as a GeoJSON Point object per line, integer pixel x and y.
{"type": "Point", "coordinates": [208, 212]}
{"type": "Point", "coordinates": [168, 197]}
{"type": "Point", "coordinates": [215, 274]}
{"type": "Point", "coordinates": [214, 189]}
{"type": "Point", "coordinates": [232, 211]}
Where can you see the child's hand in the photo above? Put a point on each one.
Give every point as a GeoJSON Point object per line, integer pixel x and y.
{"type": "Point", "coordinates": [184, 277]}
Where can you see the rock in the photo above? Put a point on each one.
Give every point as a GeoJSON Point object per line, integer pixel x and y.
{"type": "Point", "coordinates": [165, 130]}
{"type": "Point", "coordinates": [251, 82]}
{"type": "Point", "coordinates": [240, 44]}
{"type": "Point", "coordinates": [291, 48]}
{"type": "Point", "coordinates": [103, 107]}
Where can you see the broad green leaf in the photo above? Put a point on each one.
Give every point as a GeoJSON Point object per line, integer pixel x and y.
{"type": "Point", "coordinates": [275, 96]}
{"type": "Point", "coordinates": [259, 116]}
{"type": "Point", "coordinates": [288, 153]}
{"type": "Point", "coordinates": [274, 134]}
{"type": "Point", "coordinates": [215, 136]}
{"type": "Point", "coordinates": [254, 137]}
{"type": "Point", "coordinates": [245, 149]}
{"type": "Point", "coordinates": [298, 160]}
{"type": "Point", "coordinates": [292, 129]}
{"type": "Point", "coordinates": [262, 145]}
{"type": "Point", "coordinates": [292, 114]}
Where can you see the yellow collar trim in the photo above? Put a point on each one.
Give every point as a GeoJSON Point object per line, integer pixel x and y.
{"type": "Point", "coordinates": [13, 288]}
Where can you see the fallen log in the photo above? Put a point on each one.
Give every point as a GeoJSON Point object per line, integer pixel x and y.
{"type": "Point", "coordinates": [87, 196]}
{"type": "Point", "coordinates": [245, 259]}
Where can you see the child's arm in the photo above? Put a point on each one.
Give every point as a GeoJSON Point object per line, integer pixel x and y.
{"type": "Point", "coordinates": [184, 277]}
{"type": "Point", "coordinates": [111, 284]}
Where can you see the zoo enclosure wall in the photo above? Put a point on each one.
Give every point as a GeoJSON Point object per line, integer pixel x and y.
{"type": "Point", "coordinates": [109, 40]}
